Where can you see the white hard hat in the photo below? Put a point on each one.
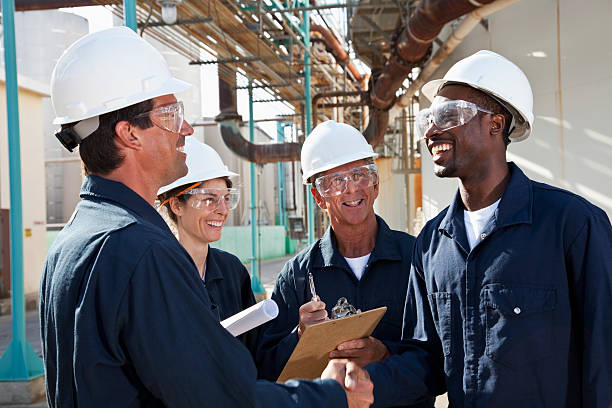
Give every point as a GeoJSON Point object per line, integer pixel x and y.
{"type": "Point", "coordinates": [203, 163]}
{"type": "Point", "coordinates": [106, 71]}
{"type": "Point", "coordinates": [332, 144]}
{"type": "Point", "coordinates": [498, 77]}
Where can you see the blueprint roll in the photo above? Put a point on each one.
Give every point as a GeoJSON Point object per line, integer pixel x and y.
{"type": "Point", "coordinates": [250, 318]}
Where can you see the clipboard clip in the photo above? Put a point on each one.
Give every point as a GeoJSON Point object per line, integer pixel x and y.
{"type": "Point", "coordinates": [343, 308]}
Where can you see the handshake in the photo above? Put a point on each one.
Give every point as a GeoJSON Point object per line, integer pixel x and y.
{"type": "Point", "coordinates": [355, 380]}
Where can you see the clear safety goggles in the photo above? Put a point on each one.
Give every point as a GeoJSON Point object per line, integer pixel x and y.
{"type": "Point", "coordinates": [331, 185]}
{"type": "Point", "coordinates": [446, 114]}
{"type": "Point", "coordinates": [211, 198]}
{"type": "Point", "coordinates": [167, 117]}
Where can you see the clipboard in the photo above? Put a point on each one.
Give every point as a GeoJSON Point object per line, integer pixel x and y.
{"type": "Point", "coordinates": [311, 355]}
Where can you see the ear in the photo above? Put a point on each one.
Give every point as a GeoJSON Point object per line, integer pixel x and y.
{"type": "Point", "coordinates": [318, 199]}
{"type": "Point", "coordinates": [126, 137]}
{"type": "Point", "coordinates": [176, 207]}
{"type": "Point", "coordinates": [497, 125]}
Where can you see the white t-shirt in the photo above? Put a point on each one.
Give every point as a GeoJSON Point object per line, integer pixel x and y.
{"type": "Point", "coordinates": [475, 222]}
{"type": "Point", "coordinates": [358, 264]}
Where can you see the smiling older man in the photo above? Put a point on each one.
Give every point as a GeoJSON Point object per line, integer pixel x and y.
{"type": "Point", "coordinates": [359, 257]}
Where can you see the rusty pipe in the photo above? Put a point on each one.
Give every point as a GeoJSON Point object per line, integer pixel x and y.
{"type": "Point", "coordinates": [413, 43]}
{"type": "Point", "coordinates": [229, 124]}
{"type": "Point", "coordinates": [341, 55]}
{"type": "Point", "coordinates": [26, 5]}
{"type": "Point", "coordinates": [411, 47]}
{"type": "Point", "coordinates": [460, 33]}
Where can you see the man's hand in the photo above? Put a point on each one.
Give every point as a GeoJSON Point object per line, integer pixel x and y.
{"type": "Point", "coordinates": [311, 313]}
{"type": "Point", "coordinates": [355, 380]}
{"type": "Point", "coordinates": [361, 351]}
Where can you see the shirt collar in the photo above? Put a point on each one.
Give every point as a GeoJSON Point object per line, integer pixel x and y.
{"type": "Point", "coordinates": [384, 248]}
{"type": "Point", "coordinates": [96, 187]}
{"type": "Point", "coordinates": [514, 208]}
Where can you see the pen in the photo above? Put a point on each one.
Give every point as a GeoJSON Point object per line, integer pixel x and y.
{"type": "Point", "coordinates": [312, 286]}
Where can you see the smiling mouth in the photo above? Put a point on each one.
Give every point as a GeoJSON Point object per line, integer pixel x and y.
{"type": "Point", "coordinates": [354, 203]}
{"type": "Point", "coordinates": [181, 149]}
{"type": "Point", "coordinates": [441, 148]}
{"type": "Point", "coordinates": [215, 224]}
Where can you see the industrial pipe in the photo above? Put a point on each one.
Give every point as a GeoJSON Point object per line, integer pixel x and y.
{"type": "Point", "coordinates": [466, 27]}
{"type": "Point", "coordinates": [229, 123]}
{"type": "Point", "coordinates": [410, 48]}
{"type": "Point", "coordinates": [341, 55]}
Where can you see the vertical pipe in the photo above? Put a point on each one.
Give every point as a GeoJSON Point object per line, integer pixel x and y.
{"type": "Point", "coordinates": [19, 362]}
{"type": "Point", "coordinates": [307, 112]}
{"type": "Point", "coordinates": [255, 278]}
{"type": "Point", "coordinates": [129, 14]}
{"type": "Point", "coordinates": [280, 137]}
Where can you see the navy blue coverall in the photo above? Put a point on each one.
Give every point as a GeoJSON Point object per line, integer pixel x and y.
{"type": "Point", "coordinates": [127, 322]}
{"type": "Point", "coordinates": [229, 287]}
{"type": "Point", "coordinates": [524, 319]}
{"type": "Point", "coordinates": [383, 283]}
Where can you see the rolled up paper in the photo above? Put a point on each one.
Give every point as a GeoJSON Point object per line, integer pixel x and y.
{"type": "Point", "coordinates": [250, 318]}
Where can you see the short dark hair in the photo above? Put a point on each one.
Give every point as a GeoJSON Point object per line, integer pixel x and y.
{"type": "Point", "coordinates": [182, 198]}
{"type": "Point", "coordinates": [99, 152]}
{"type": "Point", "coordinates": [487, 102]}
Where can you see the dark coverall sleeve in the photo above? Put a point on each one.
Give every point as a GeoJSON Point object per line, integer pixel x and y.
{"type": "Point", "coordinates": [589, 261]}
{"type": "Point", "coordinates": [417, 371]}
{"type": "Point", "coordinates": [184, 357]}
{"type": "Point", "coordinates": [279, 336]}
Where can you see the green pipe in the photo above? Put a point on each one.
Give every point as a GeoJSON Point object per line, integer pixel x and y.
{"type": "Point", "coordinates": [19, 361]}
{"type": "Point", "coordinates": [308, 113]}
{"type": "Point", "coordinates": [255, 274]}
{"type": "Point", "coordinates": [129, 14]}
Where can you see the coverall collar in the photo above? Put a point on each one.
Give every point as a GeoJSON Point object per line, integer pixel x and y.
{"type": "Point", "coordinates": [515, 207]}
{"type": "Point", "coordinates": [96, 187]}
{"type": "Point", "coordinates": [213, 269]}
{"type": "Point", "coordinates": [384, 248]}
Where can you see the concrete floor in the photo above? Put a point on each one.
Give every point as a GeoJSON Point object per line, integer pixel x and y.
{"type": "Point", "coordinates": [269, 270]}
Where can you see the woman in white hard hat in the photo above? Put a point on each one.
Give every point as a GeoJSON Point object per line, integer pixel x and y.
{"type": "Point", "coordinates": [198, 205]}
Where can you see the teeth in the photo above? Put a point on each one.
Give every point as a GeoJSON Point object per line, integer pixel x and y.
{"type": "Point", "coordinates": [215, 223]}
{"type": "Point", "coordinates": [352, 203]}
{"type": "Point", "coordinates": [181, 149]}
{"type": "Point", "coordinates": [437, 149]}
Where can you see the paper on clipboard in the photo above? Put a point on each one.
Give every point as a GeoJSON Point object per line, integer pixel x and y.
{"type": "Point", "coordinates": [311, 355]}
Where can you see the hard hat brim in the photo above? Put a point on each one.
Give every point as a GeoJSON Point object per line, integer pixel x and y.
{"type": "Point", "coordinates": [522, 127]}
{"type": "Point", "coordinates": [170, 86]}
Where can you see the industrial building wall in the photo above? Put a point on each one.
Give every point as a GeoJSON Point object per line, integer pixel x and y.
{"type": "Point", "coordinates": [563, 47]}
{"type": "Point", "coordinates": [32, 181]}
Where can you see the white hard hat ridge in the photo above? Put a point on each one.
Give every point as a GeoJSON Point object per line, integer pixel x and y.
{"type": "Point", "coordinates": [497, 76]}
{"type": "Point", "coordinates": [106, 71]}
{"type": "Point", "coordinates": [332, 144]}
{"type": "Point", "coordinates": [203, 163]}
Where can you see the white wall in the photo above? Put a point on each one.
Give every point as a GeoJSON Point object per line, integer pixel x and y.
{"type": "Point", "coordinates": [567, 60]}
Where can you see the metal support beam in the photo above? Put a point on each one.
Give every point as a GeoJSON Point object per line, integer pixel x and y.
{"type": "Point", "coordinates": [307, 111]}
{"type": "Point", "coordinates": [129, 14]}
{"type": "Point", "coordinates": [203, 20]}
{"type": "Point", "coordinates": [256, 285]}
{"type": "Point", "coordinates": [19, 362]}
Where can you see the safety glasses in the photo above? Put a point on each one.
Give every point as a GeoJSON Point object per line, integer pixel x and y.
{"type": "Point", "coordinates": [167, 117]}
{"type": "Point", "coordinates": [446, 115]}
{"type": "Point", "coordinates": [334, 184]}
{"type": "Point", "coordinates": [211, 198]}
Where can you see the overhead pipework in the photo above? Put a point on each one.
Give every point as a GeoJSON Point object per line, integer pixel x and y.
{"type": "Point", "coordinates": [411, 47]}
{"type": "Point", "coordinates": [229, 124]}
{"type": "Point", "coordinates": [341, 55]}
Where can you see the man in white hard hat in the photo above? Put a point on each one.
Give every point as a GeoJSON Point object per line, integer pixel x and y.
{"type": "Point", "coordinates": [359, 257]}
{"type": "Point", "coordinates": [511, 285]}
{"type": "Point", "coordinates": [125, 317]}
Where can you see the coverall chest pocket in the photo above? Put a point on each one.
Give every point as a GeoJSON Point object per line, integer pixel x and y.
{"type": "Point", "coordinates": [440, 303]}
{"type": "Point", "coordinates": [519, 323]}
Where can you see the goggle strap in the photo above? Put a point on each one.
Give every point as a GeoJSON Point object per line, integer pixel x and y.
{"type": "Point", "coordinates": [181, 192]}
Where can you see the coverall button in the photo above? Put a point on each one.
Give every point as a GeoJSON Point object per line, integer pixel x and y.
{"type": "Point", "coordinates": [517, 310]}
